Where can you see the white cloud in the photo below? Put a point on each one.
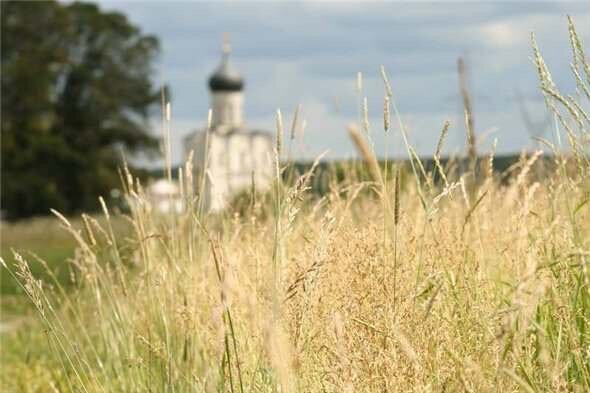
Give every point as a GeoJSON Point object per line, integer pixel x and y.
{"type": "Point", "coordinates": [502, 34]}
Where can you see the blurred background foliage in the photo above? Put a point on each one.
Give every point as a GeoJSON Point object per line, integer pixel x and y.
{"type": "Point", "coordinates": [77, 91]}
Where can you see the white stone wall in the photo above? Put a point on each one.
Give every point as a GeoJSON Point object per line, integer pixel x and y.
{"type": "Point", "coordinates": [232, 159]}
{"type": "Point", "coordinates": [240, 157]}
{"type": "Point", "coordinates": [227, 108]}
{"type": "Point", "coordinates": [218, 174]}
{"type": "Point", "coordinates": [262, 155]}
{"type": "Point", "coordinates": [196, 143]}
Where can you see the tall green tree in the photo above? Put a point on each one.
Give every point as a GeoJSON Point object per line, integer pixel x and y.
{"type": "Point", "coordinates": [76, 90]}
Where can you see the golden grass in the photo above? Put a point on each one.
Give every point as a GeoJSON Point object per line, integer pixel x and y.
{"type": "Point", "coordinates": [483, 289]}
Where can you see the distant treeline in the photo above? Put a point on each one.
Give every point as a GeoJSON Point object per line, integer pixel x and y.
{"type": "Point", "coordinates": [338, 171]}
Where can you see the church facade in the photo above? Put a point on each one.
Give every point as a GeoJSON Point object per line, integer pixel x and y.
{"type": "Point", "coordinates": [233, 155]}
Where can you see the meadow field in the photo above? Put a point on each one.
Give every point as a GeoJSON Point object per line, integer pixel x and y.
{"type": "Point", "coordinates": [441, 278]}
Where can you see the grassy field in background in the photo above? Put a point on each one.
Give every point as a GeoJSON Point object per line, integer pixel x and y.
{"type": "Point", "coordinates": [42, 237]}
{"type": "Point", "coordinates": [42, 241]}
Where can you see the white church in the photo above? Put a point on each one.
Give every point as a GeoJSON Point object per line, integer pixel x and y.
{"type": "Point", "coordinates": [234, 155]}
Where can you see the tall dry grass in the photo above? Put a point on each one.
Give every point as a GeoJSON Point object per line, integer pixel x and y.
{"type": "Point", "coordinates": [422, 285]}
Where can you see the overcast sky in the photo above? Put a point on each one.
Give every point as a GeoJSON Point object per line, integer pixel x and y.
{"type": "Point", "coordinates": [309, 53]}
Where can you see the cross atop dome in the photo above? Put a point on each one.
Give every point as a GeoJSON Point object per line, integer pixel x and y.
{"type": "Point", "coordinates": [226, 44]}
{"type": "Point", "coordinates": [226, 78]}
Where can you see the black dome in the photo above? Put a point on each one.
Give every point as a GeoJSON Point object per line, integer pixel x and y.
{"type": "Point", "coordinates": [226, 78]}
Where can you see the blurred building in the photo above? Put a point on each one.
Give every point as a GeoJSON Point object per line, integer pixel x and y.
{"type": "Point", "coordinates": [165, 196]}
{"type": "Point", "coordinates": [233, 154]}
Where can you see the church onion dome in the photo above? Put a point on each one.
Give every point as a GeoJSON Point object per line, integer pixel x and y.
{"type": "Point", "coordinates": [226, 77]}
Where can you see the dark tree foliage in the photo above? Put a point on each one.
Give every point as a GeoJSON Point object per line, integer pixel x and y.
{"type": "Point", "coordinates": [76, 90]}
